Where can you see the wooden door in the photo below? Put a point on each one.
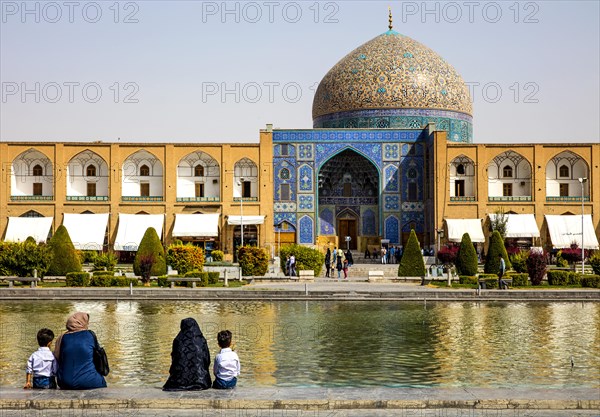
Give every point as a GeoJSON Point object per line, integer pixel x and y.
{"type": "Point", "coordinates": [347, 227]}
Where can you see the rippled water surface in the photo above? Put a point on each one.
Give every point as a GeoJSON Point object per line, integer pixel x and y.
{"type": "Point", "coordinates": [334, 343]}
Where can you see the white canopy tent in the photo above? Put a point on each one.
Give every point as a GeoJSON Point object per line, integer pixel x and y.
{"type": "Point", "coordinates": [519, 225]}
{"type": "Point", "coordinates": [20, 228]}
{"type": "Point", "coordinates": [86, 231]}
{"type": "Point", "coordinates": [132, 228]}
{"type": "Point", "coordinates": [458, 227]}
{"type": "Point", "coordinates": [196, 225]}
{"type": "Point", "coordinates": [247, 220]}
{"type": "Point", "coordinates": [566, 229]}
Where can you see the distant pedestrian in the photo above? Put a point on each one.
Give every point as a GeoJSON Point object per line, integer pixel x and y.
{"type": "Point", "coordinates": [367, 253]}
{"type": "Point", "coordinates": [383, 255]}
{"type": "Point", "coordinates": [327, 263]}
{"type": "Point", "coordinates": [345, 268]}
{"type": "Point", "coordinates": [339, 265]}
{"type": "Point", "coordinates": [502, 283]}
{"type": "Point", "coordinates": [292, 265]}
{"type": "Point", "coordinates": [349, 258]}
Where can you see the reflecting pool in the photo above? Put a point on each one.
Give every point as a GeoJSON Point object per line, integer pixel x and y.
{"type": "Point", "coordinates": [337, 343]}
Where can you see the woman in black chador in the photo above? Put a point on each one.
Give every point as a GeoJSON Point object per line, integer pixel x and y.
{"type": "Point", "coordinates": [190, 359]}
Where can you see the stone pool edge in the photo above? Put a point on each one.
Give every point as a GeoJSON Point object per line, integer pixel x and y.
{"type": "Point", "coordinates": [305, 399]}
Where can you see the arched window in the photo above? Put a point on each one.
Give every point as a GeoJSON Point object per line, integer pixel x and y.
{"type": "Point", "coordinates": [144, 171]}
{"type": "Point", "coordinates": [38, 171]}
{"type": "Point", "coordinates": [198, 171]}
{"type": "Point", "coordinates": [460, 169]}
{"type": "Point", "coordinates": [507, 172]}
{"type": "Point", "coordinates": [90, 171]}
{"type": "Point", "coordinates": [563, 171]}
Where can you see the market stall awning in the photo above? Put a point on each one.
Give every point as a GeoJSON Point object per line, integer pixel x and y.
{"type": "Point", "coordinates": [132, 228]}
{"type": "Point", "coordinates": [519, 225]}
{"type": "Point", "coordinates": [20, 228]}
{"type": "Point", "coordinates": [196, 225]}
{"type": "Point", "coordinates": [458, 227]}
{"type": "Point", "coordinates": [86, 231]}
{"type": "Point", "coordinates": [248, 220]}
{"type": "Point", "coordinates": [566, 230]}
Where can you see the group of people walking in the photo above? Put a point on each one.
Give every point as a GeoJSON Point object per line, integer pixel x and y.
{"type": "Point", "coordinates": [74, 363]}
{"type": "Point", "coordinates": [337, 260]}
{"type": "Point", "coordinates": [390, 255]}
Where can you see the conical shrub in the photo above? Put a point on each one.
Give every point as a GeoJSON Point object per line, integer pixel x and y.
{"type": "Point", "coordinates": [150, 251]}
{"type": "Point", "coordinates": [64, 256]}
{"type": "Point", "coordinates": [492, 263]}
{"type": "Point", "coordinates": [466, 260]}
{"type": "Point", "coordinates": [412, 264]}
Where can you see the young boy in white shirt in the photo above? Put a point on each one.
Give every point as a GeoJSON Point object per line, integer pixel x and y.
{"type": "Point", "coordinates": [227, 363]}
{"type": "Point", "coordinates": [42, 365]}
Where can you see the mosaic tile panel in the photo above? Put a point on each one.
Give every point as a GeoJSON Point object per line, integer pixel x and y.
{"type": "Point", "coordinates": [305, 178]}
{"type": "Point", "coordinates": [305, 152]}
{"type": "Point", "coordinates": [391, 203]}
{"type": "Point", "coordinates": [326, 222]}
{"type": "Point", "coordinates": [391, 152]}
{"type": "Point", "coordinates": [413, 217]}
{"type": "Point", "coordinates": [413, 206]}
{"type": "Point", "coordinates": [371, 151]}
{"type": "Point", "coordinates": [391, 179]}
{"type": "Point", "coordinates": [347, 136]}
{"type": "Point", "coordinates": [368, 223]}
{"type": "Point", "coordinates": [391, 229]}
{"type": "Point", "coordinates": [306, 202]}
{"type": "Point", "coordinates": [288, 217]}
{"type": "Point", "coordinates": [306, 225]}
{"type": "Point", "coordinates": [285, 206]}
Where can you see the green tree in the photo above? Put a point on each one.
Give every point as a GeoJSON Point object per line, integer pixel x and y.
{"type": "Point", "coordinates": [412, 264]}
{"type": "Point", "coordinates": [150, 251]}
{"type": "Point", "coordinates": [492, 263]}
{"type": "Point", "coordinates": [499, 221]}
{"type": "Point", "coordinates": [64, 256]}
{"type": "Point", "coordinates": [466, 260]}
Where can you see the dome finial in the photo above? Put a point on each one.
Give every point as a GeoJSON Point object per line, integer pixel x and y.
{"type": "Point", "coordinates": [390, 26]}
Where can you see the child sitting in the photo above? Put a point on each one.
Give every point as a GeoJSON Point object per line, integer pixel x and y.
{"type": "Point", "coordinates": [227, 363]}
{"type": "Point", "coordinates": [42, 365]}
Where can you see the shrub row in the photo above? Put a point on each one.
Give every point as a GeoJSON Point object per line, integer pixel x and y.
{"type": "Point", "coordinates": [82, 279]}
{"type": "Point", "coordinates": [207, 278]}
{"type": "Point", "coordinates": [519, 280]}
{"type": "Point", "coordinates": [590, 281]}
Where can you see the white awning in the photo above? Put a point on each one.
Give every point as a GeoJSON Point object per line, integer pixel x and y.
{"type": "Point", "coordinates": [86, 231]}
{"type": "Point", "coordinates": [519, 225]}
{"type": "Point", "coordinates": [196, 225]}
{"type": "Point", "coordinates": [248, 220]}
{"type": "Point", "coordinates": [565, 230]}
{"type": "Point", "coordinates": [132, 228]}
{"type": "Point", "coordinates": [20, 228]}
{"type": "Point", "coordinates": [458, 227]}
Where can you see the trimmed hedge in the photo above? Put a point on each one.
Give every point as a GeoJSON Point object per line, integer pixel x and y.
{"type": "Point", "coordinates": [123, 282]}
{"type": "Point", "coordinates": [466, 259]}
{"type": "Point", "coordinates": [492, 263]}
{"type": "Point", "coordinates": [217, 255]}
{"type": "Point", "coordinates": [594, 261]}
{"type": "Point", "coordinates": [196, 274]}
{"type": "Point", "coordinates": [467, 279]}
{"type": "Point", "coordinates": [307, 259]}
{"type": "Point", "coordinates": [411, 264]}
{"type": "Point", "coordinates": [590, 281]}
{"type": "Point", "coordinates": [213, 278]}
{"type": "Point", "coordinates": [185, 258]}
{"type": "Point", "coordinates": [101, 273]}
{"type": "Point", "coordinates": [101, 281]}
{"type": "Point", "coordinates": [64, 256]}
{"type": "Point", "coordinates": [563, 278]}
{"type": "Point", "coordinates": [162, 281]}
{"type": "Point", "coordinates": [254, 261]}
{"type": "Point", "coordinates": [519, 280]}
{"type": "Point", "coordinates": [77, 279]}
{"type": "Point", "coordinates": [150, 256]}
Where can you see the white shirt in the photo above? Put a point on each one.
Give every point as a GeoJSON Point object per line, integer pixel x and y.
{"type": "Point", "coordinates": [227, 365]}
{"type": "Point", "coordinates": [42, 363]}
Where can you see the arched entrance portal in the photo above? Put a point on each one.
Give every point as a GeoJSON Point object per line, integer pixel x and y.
{"type": "Point", "coordinates": [349, 198]}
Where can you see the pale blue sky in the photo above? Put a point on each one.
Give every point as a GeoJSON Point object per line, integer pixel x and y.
{"type": "Point", "coordinates": [542, 56]}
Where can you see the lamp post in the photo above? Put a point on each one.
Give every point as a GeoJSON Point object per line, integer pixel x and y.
{"type": "Point", "coordinates": [439, 232]}
{"type": "Point", "coordinates": [582, 181]}
{"type": "Point", "coordinates": [241, 184]}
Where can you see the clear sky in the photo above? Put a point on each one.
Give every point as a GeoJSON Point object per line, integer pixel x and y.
{"type": "Point", "coordinates": [193, 71]}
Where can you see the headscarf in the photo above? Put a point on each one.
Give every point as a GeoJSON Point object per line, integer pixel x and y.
{"type": "Point", "coordinates": [328, 256]}
{"type": "Point", "coordinates": [190, 359]}
{"type": "Point", "coordinates": [77, 322]}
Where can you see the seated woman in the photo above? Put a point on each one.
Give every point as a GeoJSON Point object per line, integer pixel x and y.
{"type": "Point", "coordinates": [75, 355]}
{"type": "Point", "coordinates": [190, 359]}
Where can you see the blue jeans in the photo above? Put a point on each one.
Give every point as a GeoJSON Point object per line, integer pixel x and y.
{"type": "Point", "coordinates": [44, 382]}
{"type": "Point", "coordinates": [219, 383]}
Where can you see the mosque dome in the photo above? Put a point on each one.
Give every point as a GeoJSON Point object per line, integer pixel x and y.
{"type": "Point", "coordinates": [393, 81]}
